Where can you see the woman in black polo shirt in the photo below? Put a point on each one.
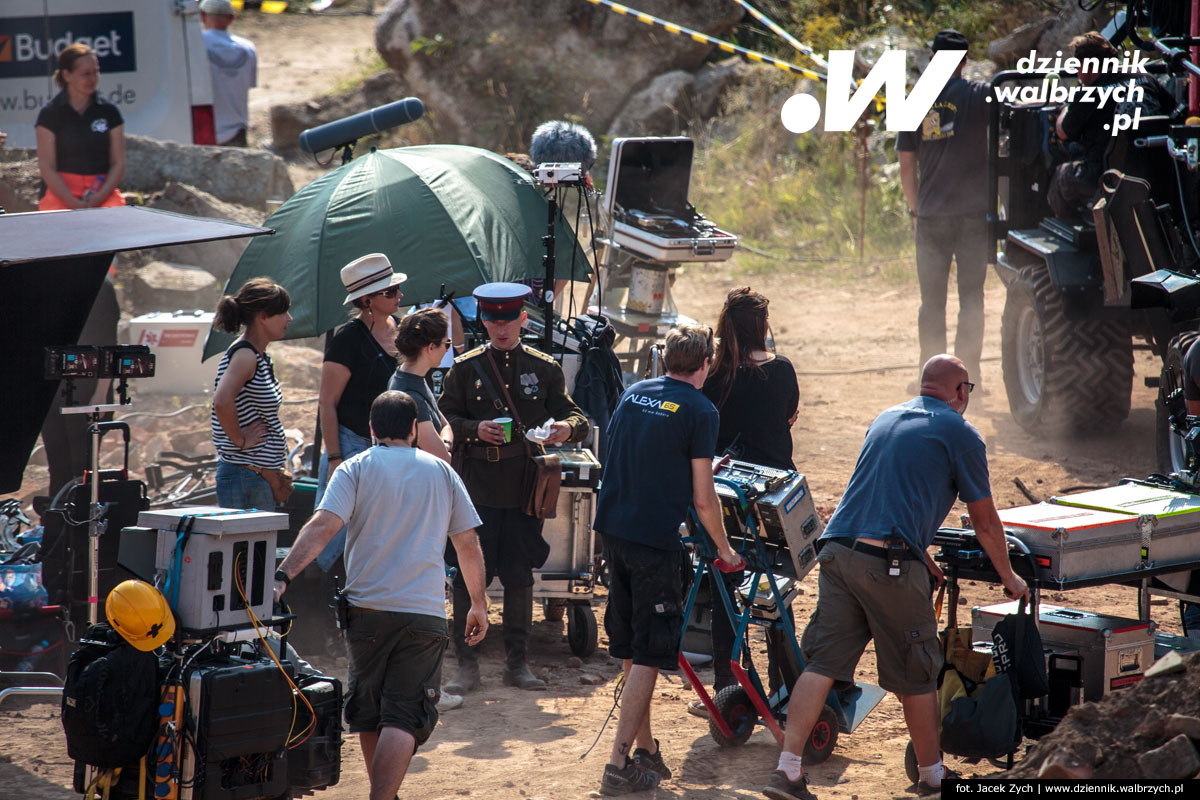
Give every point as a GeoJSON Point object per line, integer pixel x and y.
{"type": "Point", "coordinates": [80, 138]}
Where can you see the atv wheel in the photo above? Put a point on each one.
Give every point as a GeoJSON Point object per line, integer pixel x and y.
{"type": "Point", "coordinates": [1062, 376]}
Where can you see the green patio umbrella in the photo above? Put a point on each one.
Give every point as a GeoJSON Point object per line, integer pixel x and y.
{"type": "Point", "coordinates": [443, 214]}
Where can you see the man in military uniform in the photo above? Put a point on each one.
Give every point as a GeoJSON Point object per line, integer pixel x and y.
{"type": "Point", "coordinates": [493, 470]}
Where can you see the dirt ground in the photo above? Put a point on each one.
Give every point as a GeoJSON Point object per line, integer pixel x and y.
{"type": "Point", "coordinates": [852, 341]}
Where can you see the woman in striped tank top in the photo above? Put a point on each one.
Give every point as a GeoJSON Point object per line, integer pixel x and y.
{"type": "Point", "coordinates": [246, 430]}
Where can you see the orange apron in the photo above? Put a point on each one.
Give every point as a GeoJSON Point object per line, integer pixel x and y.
{"type": "Point", "coordinates": [77, 185]}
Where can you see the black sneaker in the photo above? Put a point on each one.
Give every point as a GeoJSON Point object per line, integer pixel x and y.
{"type": "Point", "coordinates": [627, 780]}
{"type": "Point", "coordinates": [925, 790]}
{"type": "Point", "coordinates": [780, 788]}
{"type": "Point", "coordinates": [652, 762]}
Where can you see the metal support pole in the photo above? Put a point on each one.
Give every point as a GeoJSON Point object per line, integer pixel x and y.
{"type": "Point", "coordinates": [94, 530]}
{"type": "Point", "coordinates": [547, 299]}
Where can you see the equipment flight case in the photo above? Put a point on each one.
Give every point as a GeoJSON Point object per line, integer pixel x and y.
{"type": "Point", "coordinates": [1127, 528]}
{"type": "Point", "coordinates": [782, 506]}
{"type": "Point", "coordinates": [1114, 651]}
{"type": "Point", "coordinates": [646, 199]}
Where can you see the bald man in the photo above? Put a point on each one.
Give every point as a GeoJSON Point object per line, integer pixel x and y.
{"type": "Point", "coordinates": [917, 459]}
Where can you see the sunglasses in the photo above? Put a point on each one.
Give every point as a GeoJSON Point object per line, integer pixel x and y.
{"type": "Point", "coordinates": [970, 386]}
{"type": "Point", "coordinates": [389, 293]}
{"type": "Point", "coordinates": [447, 344]}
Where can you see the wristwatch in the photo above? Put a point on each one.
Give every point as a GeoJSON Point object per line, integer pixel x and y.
{"type": "Point", "coordinates": [282, 577]}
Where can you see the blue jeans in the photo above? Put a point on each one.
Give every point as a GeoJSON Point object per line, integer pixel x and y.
{"type": "Point", "coordinates": [238, 487]}
{"type": "Point", "coordinates": [351, 444]}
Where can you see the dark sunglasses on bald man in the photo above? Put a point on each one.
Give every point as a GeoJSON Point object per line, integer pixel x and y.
{"type": "Point", "coordinates": [970, 386]}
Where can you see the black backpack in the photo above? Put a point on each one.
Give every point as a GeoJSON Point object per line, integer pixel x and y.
{"type": "Point", "coordinates": [110, 700]}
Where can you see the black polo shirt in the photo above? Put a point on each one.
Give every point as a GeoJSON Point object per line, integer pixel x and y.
{"type": "Point", "coordinates": [81, 143]}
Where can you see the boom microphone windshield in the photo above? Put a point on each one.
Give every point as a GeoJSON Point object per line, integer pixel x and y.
{"type": "Point", "coordinates": [349, 129]}
{"type": "Point", "coordinates": [562, 142]}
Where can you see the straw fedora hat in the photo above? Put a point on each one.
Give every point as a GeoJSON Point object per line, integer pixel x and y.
{"type": "Point", "coordinates": [367, 275]}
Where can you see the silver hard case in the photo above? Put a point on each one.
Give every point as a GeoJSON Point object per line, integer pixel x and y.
{"type": "Point", "coordinates": [1072, 544]}
{"type": "Point", "coordinates": [208, 595]}
{"type": "Point", "coordinates": [1115, 650]}
{"type": "Point", "coordinates": [783, 511]}
{"type": "Point", "coordinates": [648, 180]}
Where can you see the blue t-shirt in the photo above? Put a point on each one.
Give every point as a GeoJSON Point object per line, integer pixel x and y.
{"type": "Point", "coordinates": [659, 426]}
{"type": "Point", "coordinates": [916, 459]}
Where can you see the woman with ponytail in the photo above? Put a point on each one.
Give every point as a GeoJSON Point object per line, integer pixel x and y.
{"type": "Point", "coordinates": [246, 430]}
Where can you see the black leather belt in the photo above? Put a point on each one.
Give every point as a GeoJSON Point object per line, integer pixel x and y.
{"type": "Point", "coordinates": [496, 452]}
{"type": "Point", "coordinates": [873, 550]}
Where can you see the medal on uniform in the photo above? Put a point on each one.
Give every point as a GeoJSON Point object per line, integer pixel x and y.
{"type": "Point", "coordinates": [529, 382]}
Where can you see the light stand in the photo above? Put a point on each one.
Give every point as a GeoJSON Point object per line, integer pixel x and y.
{"type": "Point", "coordinates": [97, 525]}
{"type": "Point", "coordinates": [548, 264]}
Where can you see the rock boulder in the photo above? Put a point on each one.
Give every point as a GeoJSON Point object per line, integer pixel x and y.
{"type": "Point", "coordinates": [491, 72]}
{"type": "Point", "coordinates": [244, 176]}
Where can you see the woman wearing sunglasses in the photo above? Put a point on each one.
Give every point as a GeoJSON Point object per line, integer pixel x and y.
{"type": "Point", "coordinates": [423, 339]}
{"type": "Point", "coordinates": [359, 360]}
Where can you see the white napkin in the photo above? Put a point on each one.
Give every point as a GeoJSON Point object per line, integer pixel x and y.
{"type": "Point", "coordinates": [541, 433]}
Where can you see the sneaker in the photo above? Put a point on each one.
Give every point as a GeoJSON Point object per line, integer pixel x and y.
{"type": "Point", "coordinates": [780, 788]}
{"type": "Point", "coordinates": [652, 762]}
{"type": "Point", "coordinates": [448, 701]}
{"type": "Point", "coordinates": [627, 780]}
{"type": "Point", "coordinates": [925, 790]}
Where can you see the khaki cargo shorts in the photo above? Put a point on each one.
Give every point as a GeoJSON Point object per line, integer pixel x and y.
{"type": "Point", "coordinates": [858, 602]}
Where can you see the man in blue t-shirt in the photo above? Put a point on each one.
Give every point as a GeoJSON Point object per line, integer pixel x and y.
{"type": "Point", "coordinates": [917, 458]}
{"type": "Point", "coordinates": [661, 444]}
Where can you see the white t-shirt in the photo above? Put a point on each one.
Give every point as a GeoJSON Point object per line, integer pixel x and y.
{"type": "Point", "coordinates": [399, 504]}
{"type": "Point", "coordinates": [233, 63]}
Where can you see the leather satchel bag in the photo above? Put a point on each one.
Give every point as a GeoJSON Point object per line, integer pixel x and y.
{"type": "Point", "coordinates": [543, 477]}
{"type": "Point", "coordinates": [281, 483]}
{"type": "Point", "coordinates": [543, 472]}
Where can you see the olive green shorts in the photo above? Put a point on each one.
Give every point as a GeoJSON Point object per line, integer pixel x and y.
{"type": "Point", "coordinates": [395, 671]}
{"type": "Point", "coordinates": [858, 602]}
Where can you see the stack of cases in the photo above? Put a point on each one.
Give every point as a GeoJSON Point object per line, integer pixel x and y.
{"type": "Point", "coordinates": [1115, 651]}
{"type": "Point", "coordinates": [787, 520]}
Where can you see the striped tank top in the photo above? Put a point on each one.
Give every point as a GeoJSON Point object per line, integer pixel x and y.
{"type": "Point", "coordinates": [259, 399]}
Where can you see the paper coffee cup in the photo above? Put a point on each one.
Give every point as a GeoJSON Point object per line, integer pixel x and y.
{"type": "Point", "coordinates": [506, 422]}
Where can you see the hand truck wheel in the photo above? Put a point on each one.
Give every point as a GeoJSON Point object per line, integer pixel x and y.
{"type": "Point", "coordinates": [734, 706]}
{"type": "Point", "coordinates": [823, 738]}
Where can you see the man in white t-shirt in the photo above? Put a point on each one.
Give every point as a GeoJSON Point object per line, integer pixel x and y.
{"type": "Point", "coordinates": [233, 62]}
{"type": "Point", "coordinates": [399, 505]}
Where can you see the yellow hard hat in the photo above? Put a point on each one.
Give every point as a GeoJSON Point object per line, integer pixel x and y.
{"type": "Point", "coordinates": [140, 613]}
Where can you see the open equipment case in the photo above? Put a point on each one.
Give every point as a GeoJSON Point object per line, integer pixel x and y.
{"type": "Point", "coordinates": [646, 201]}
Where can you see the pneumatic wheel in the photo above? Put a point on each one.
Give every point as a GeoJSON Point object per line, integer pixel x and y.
{"type": "Point", "coordinates": [582, 633]}
{"type": "Point", "coordinates": [823, 738]}
{"type": "Point", "coordinates": [1063, 374]}
{"type": "Point", "coordinates": [1168, 448]}
{"type": "Point", "coordinates": [734, 706]}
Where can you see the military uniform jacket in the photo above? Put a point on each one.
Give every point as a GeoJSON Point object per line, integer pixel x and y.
{"type": "Point", "coordinates": [494, 475]}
